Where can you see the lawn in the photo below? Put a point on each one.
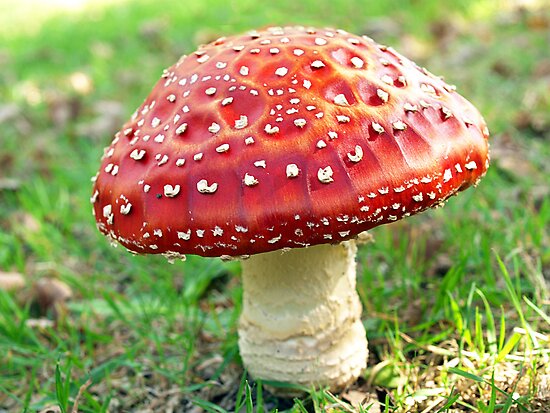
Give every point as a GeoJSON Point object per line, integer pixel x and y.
{"type": "Point", "coordinates": [456, 300]}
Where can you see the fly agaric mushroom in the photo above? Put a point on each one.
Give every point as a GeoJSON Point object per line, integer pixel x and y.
{"type": "Point", "coordinates": [282, 145]}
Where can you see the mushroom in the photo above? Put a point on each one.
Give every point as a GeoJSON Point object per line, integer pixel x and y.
{"type": "Point", "coordinates": [285, 158]}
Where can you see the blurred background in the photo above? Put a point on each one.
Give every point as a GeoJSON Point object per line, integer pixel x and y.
{"type": "Point", "coordinates": [81, 322]}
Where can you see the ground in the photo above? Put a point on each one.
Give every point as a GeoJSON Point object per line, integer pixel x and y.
{"type": "Point", "coordinates": [455, 300]}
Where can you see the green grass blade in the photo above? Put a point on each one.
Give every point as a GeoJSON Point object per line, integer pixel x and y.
{"type": "Point", "coordinates": [259, 397]}
{"type": "Point", "coordinates": [538, 310]}
{"type": "Point", "coordinates": [502, 332]}
{"type": "Point", "coordinates": [479, 339]}
{"type": "Point", "coordinates": [240, 393]}
{"type": "Point", "coordinates": [287, 386]}
{"type": "Point", "coordinates": [509, 346]}
{"type": "Point", "coordinates": [300, 406]}
{"type": "Point", "coordinates": [490, 328]}
{"type": "Point", "coordinates": [209, 406]}
{"type": "Point", "coordinates": [511, 290]}
{"type": "Point", "coordinates": [62, 387]}
{"type": "Point", "coordinates": [466, 375]}
{"type": "Point", "coordinates": [508, 404]}
{"type": "Point", "coordinates": [493, 399]}
{"type": "Point", "coordinates": [248, 398]}
{"type": "Point", "coordinates": [453, 397]}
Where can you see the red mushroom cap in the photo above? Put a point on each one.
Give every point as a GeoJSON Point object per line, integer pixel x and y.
{"type": "Point", "coordinates": [283, 138]}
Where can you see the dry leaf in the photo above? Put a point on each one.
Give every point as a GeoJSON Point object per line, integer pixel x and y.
{"type": "Point", "coordinates": [512, 157]}
{"type": "Point", "coordinates": [52, 294]}
{"type": "Point", "coordinates": [9, 112]}
{"type": "Point", "coordinates": [11, 281]}
{"type": "Point", "coordinates": [361, 394]}
{"type": "Point", "coordinates": [9, 184]}
{"type": "Point", "coordinates": [63, 109]}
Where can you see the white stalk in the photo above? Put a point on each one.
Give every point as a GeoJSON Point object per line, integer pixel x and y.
{"type": "Point", "coordinates": [301, 319]}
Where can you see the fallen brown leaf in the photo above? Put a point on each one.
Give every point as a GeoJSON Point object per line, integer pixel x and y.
{"type": "Point", "coordinates": [11, 281]}
{"type": "Point", "coordinates": [23, 222]}
{"type": "Point", "coordinates": [63, 109]}
{"type": "Point", "coordinates": [354, 397]}
{"type": "Point", "coordinates": [9, 184]}
{"type": "Point", "coordinates": [9, 112]}
{"type": "Point", "coordinates": [51, 295]}
{"type": "Point", "coordinates": [512, 158]}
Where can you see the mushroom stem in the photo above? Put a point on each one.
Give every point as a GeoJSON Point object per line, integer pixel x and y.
{"type": "Point", "coordinates": [301, 319]}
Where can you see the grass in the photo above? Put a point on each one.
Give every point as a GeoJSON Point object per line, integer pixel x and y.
{"type": "Point", "coordinates": [455, 301]}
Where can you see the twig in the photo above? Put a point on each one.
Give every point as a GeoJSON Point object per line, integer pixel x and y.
{"type": "Point", "coordinates": [81, 391]}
